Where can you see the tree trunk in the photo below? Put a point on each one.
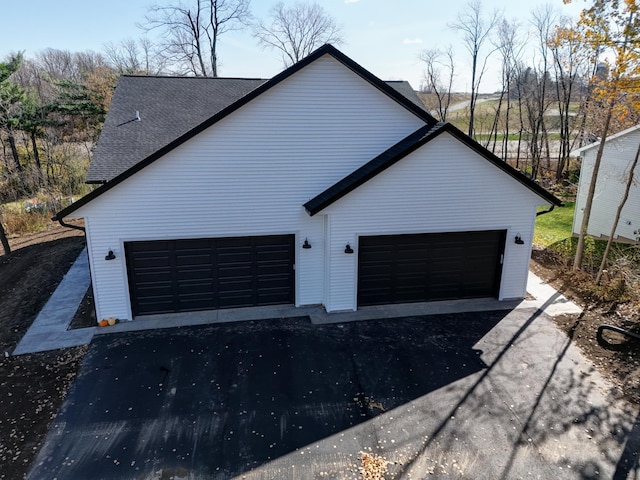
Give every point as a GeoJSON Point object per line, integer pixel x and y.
{"type": "Point", "coordinates": [472, 103]}
{"type": "Point", "coordinates": [577, 261]}
{"type": "Point", "coordinates": [36, 157]}
{"type": "Point", "coordinates": [14, 152]}
{"type": "Point", "coordinates": [617, 217]}
{"type": "Point", "coordinates": [4, 240]}
{"type": "Point", "coordinates": [505, 142]}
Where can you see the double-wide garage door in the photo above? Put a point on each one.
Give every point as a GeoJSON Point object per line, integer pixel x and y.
{"type": "Point", "coordinates": [204, 274]}
{"type": "Point", "coordinates": [426, 267]}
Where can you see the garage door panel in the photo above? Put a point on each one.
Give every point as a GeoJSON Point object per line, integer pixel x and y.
{"type": "Point", "coordinates": [202, 274]}
{"type": "Point", "coordinates": [152, 261]}
{"type": "Point", "coordinates": [193, 274]}
{"type": "Point", "coordinates": [189, 288]}
{"type": "Point", "coordinates": [273, 281]}
{"type": "Point", "coordinates": [235, 270]}
{"type": "Point", "coordinates": [156, 291]}
{"type": "Point", "coordinates": [155, 306]}
{"type": "Point", "coordinates": [195, 301]}
{"type": "Point", "coordinates": [152, 275]}
{"type": "Point", "coordinates": [200, 258]}
{"type": "Point", "coordinates": [273, 270]}
{"type": "Point", "coordinates": [424, 267]}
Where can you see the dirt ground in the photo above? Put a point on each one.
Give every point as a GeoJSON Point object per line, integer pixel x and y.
{"type": "Point", "coordinates": [616, 356]}
{"type": "Point", "coordinates": [32, 387]}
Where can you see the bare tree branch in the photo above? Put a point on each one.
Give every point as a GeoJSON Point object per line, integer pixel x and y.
{"type": "Point", "coordinates": [134, 57]}
{"type": "Point", "coordinates": [434, 83]}
{"type": "Point", "coordinates": [192, 31]}
{"type": "Point", "coordinates": [475, 29]}
{"type": "Point", "coordinates": [298, 30]}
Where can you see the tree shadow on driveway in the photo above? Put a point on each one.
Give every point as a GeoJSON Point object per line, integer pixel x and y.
{"type": "Point", "coordinates": [221, 400]}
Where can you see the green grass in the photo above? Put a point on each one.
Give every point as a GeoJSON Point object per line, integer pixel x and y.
{"type": "Point", "coordinates": [555, 226]}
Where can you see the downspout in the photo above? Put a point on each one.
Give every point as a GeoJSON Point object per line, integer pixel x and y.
{"type": "Point", "coordinates": [68, 225]}
{"type": "Point", "coordinates": [540, 213]}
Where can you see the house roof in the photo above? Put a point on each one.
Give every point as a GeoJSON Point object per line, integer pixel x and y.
{"type": "Point", "coordinates": [394, 90]}
{"type": "Point", "coordinates": [403, 148]}
{"type": "Point", "coordinates": [168, 107]}
{"type": "Point", "coordinates": [578, 151]}
{"type": "Point", "coordinates": [119, 164]}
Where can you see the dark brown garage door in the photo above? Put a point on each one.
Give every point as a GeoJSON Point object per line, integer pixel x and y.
{"type": "Point", "coordinates": [204, 274]}
{"type": "Point", "coordinates": [425, 267]}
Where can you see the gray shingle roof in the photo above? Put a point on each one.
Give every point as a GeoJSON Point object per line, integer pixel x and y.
{"type": "Point", "coordinates": [168, 107]}
{"type": "Point", "coordinates": [404, 88]}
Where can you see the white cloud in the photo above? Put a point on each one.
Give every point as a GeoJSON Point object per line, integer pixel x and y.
{"type": "Point", "coordinates": [411, 41]}
{"type": "Point", "coordinates": [351, 1]}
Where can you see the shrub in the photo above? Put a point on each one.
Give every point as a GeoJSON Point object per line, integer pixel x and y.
{"type": "Point", "coordinates": [19, 223]}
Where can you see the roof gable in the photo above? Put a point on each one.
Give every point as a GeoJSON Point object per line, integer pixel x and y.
{"type": "Point", "coordinates": [403, 148]}
{"type": "Point", "coordinates": [609, 138]}
{"type": "Point", "coordinates": [173, 109]}
{"type": "Point", "coordinates": [392, 91]}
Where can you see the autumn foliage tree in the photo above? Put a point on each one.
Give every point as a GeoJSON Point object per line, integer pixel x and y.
{"type": "Point", "coordinates": [610, 28]}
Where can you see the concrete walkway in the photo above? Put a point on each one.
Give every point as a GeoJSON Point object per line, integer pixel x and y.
{"type": "Point", "coordinates": [50, 328]}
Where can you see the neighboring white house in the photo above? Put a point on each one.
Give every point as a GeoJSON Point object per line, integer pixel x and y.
{"type": "Point", "coordinates": [619, 152]}
{"type": "Point", "coordinates": [323, 185]}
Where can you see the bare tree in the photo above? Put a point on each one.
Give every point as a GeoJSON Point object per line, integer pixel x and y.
{"type": "Point", "coordinates": [192, 31]}
{"type": "Point", "coordinates": [475, 29]}
{"type": "Point", "coordinates": [297, 30]}
{"type": "Point", "coordinates": [135, 57]}
{"type": "Point", "coordinates": [539, 100]}
{"type": "Point", "coordinates": [510, 46]}
{"type": "Point", "coordinates": [57, 65]}
{"type": "Point", "coordinates": [570, 66]}
{"type": "Point", "coordinates": [438, 79]}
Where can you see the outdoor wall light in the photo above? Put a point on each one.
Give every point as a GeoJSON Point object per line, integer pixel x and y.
{"type": "Point", "coordinates": [110, 256]}
{"type": "Point", "coordinates": [306, 244]}
{"type": "Point", "coordinates": [519, 240]}
{"type": "Point", "coordinates": [348, 249]}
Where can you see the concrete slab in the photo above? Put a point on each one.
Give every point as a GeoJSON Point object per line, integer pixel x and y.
{"type": "Point", "coordinates": [547, 298]}
{"type": "Point", "coordinates": [483, 395]}
{"type": "Point", "coordinates": [49, 330]}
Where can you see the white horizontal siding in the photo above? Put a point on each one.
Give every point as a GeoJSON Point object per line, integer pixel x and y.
{"type": "Point", "coordinates": [250, 174]}
{"type": "Point", "coordinates": [612, 178]}
{"type": "Point", "coordinates": [441, 187]}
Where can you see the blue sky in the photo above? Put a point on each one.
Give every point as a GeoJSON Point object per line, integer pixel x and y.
{"type": "Point", "coordinates": [383, 36]}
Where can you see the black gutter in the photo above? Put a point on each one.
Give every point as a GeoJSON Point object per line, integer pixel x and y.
{"type": "Point", "coordinates": [68, 225]}
{"type": "Point", "coordinates": [547, 211]}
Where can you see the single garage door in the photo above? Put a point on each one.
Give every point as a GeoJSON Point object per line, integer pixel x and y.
{"type": "Point", "coordinates": [204, 274]}
{"type": "Point", "coordinates": [426, 267]}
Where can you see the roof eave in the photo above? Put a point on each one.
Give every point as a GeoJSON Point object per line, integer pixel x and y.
{"type": "Point", "coordinates": [366, 172]}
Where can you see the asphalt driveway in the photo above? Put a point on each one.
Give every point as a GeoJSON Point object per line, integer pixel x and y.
{"type": "Point", "coordinates": [499, 394]}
